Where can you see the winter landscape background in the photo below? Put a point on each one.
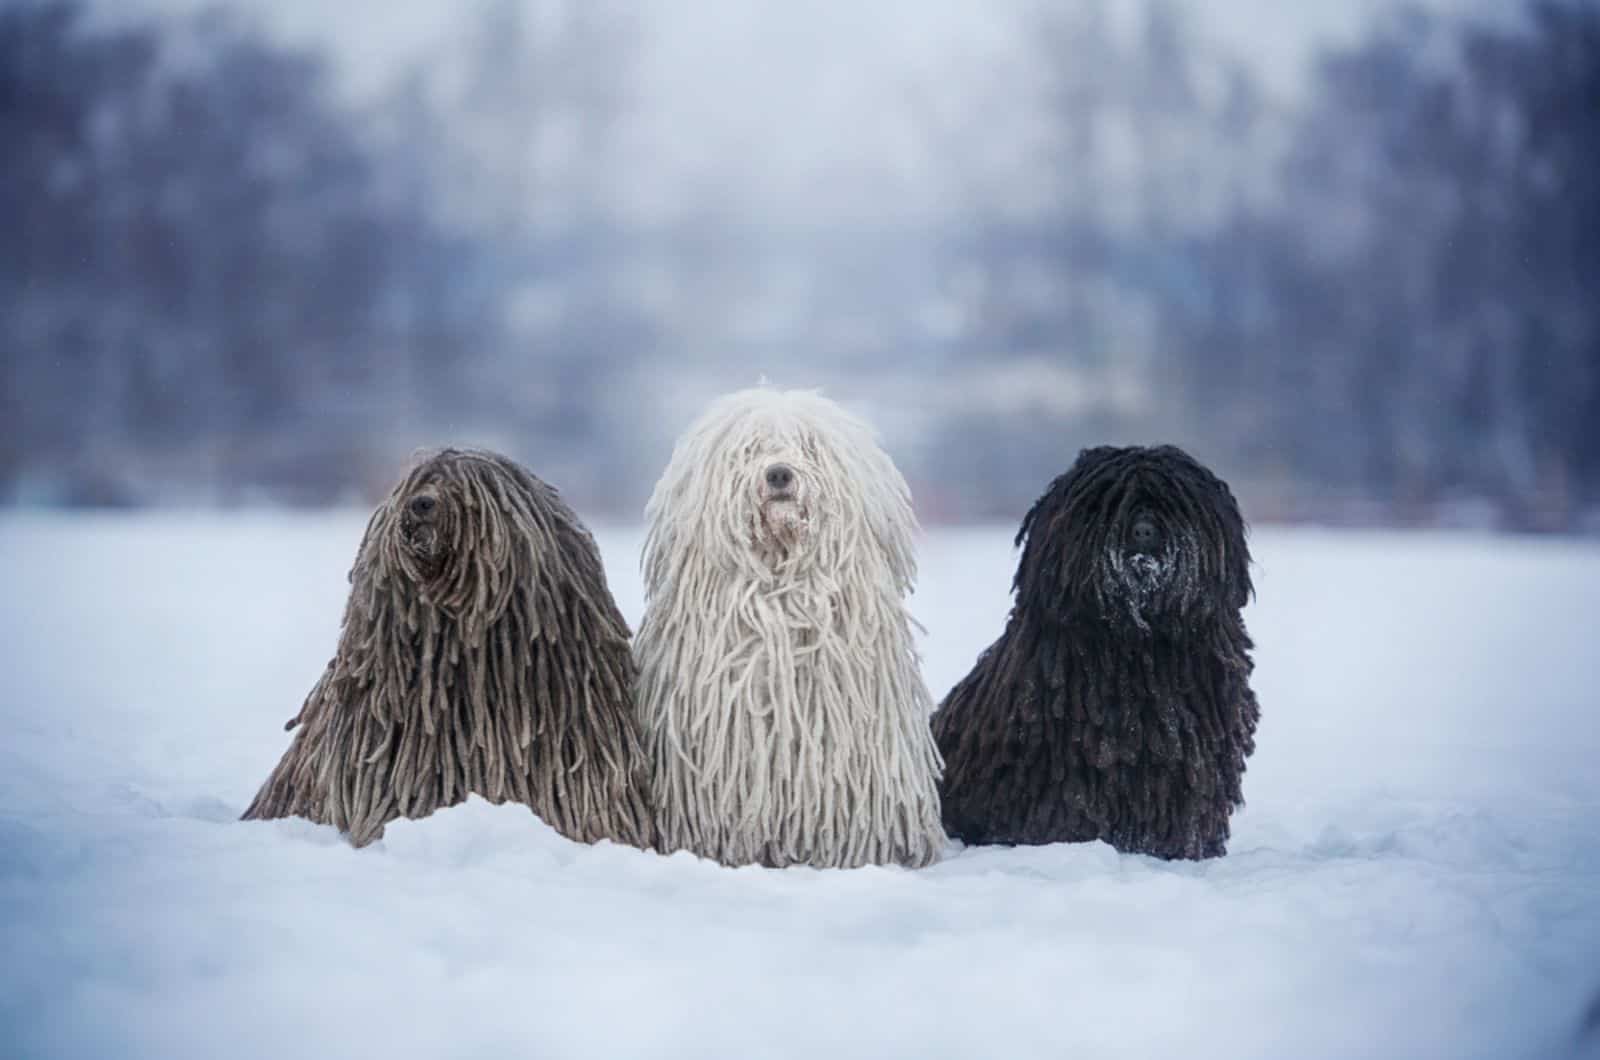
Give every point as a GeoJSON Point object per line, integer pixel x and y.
{"type": "Point", "coordinates": [251, 256]}
{"type": "Point", "coordinates": [1346, 253]}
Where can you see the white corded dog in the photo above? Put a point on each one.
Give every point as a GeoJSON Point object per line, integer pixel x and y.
{"type": "Point", "coordinates": [779, 691]}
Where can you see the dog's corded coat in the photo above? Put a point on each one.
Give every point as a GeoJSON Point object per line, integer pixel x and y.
{"type": "Point", "coordinates": [481, 653]}
{"type": "Point", "coordinates": [1116, 705]}
{"type": "Point", "coordinates": [779, 688]}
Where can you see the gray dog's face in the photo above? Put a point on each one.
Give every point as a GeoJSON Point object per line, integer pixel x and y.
{"type": "Point", "coordinates": [427, 515]}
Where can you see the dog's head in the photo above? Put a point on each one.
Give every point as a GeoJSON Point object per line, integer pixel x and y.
{"type": "Point", "coordinates": [1143, 538]}
{"type": "Point", "coordinates": [462, 528]}
{"type": "Point", "coordinates": [769, 482]}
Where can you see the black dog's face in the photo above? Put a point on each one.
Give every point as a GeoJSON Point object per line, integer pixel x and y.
{"type": "Point", "coordinates": [1142, 538]}
{"type": "Point", "coordinates": [1141, 562]}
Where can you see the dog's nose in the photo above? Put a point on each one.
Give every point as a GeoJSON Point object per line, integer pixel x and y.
{"type": "Point", "coordinates": [780, 477]}
{"type": "Point", "coordinates": [422, 505]}
{"type": "Point", "coordinates": [1146, 536]}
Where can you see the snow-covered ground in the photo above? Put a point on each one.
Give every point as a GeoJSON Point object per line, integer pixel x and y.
{"type": "Point", "coordinates": [1417, 873]}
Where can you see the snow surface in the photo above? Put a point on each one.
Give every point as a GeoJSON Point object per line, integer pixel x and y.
{"type": "Point", "coordinates": [1417, 873]}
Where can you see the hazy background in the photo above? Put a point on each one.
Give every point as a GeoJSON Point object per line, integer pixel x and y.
{"type": "Point", "coordinates": [1347, 254]}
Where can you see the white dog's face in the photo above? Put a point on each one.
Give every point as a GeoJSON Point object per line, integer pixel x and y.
{"type": "Point", "coordinates": [770, 483]}
{"type": "Point", "coordinates": [781, 481]}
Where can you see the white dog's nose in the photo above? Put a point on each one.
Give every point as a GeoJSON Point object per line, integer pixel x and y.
{"type": "Point", "coordinates": [780, 477]}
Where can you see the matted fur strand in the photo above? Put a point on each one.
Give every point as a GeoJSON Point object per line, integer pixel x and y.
{"type": "Point", "coordinates": [779, 688]}
{"type": "Point", "coordinates": [481, 653]}
{"type": "Point", "coordinates": [1116, 705]}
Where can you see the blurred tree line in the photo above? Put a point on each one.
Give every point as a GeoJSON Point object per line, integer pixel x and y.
{"type": "Point", "coordinates": [220, 281]}
{"type": "Point", "coordinates": [1380, 304]}
{"type": "Point", "coordinates": [1418, 311]}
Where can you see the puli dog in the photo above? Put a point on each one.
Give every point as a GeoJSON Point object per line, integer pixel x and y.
{"type": "Point", "coordinates": [481, 653]}
{"type": "Point", "coordinates": [779, 689]}
{"type": "Point", "coordinates": [1117, 704]}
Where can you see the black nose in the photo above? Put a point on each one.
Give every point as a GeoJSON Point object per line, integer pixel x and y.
{"type": "Point", "coordinates": [780, 477]}
{"type": "Point", "coordinates": [1146, 536]}
{"type": "Point", "coordinates": [421, 506]}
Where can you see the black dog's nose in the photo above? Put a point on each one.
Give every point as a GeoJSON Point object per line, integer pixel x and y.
{"type": "Point", "coordinates": [780, 477]}
{"type": "Point", "coordinates": [421, 506]}
{"type": "Point", "coordinates": [1146, 536]}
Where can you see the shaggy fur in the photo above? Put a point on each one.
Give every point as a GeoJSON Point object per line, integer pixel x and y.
{"type": "Point", "coordinates": [481, 653]}
{"type": "Point", "coordinates": [1117, 703]}
{"type": "Point", "coordinates": [779, 690]}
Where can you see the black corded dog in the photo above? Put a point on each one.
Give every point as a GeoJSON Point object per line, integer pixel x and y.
{"type": "Point", "coordinates": [1117, 703]}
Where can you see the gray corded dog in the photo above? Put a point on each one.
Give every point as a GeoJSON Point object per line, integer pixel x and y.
{"type": "Point", "coordinates": [481, 653]}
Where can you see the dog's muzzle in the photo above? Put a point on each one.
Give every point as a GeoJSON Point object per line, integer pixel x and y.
{"type": "Point", "coordinates": [781, 511]}
{"type": "Point", "coordinates": [1145, 537]}
{"type": "Point", "coordinates": [1145, 567]}
{"type": "Point", "coordinates": [1135, 584]}
{"type": "Point", "coordinates": [784, 518]}
{"type": "Point", "coordinates": [419, 526]}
